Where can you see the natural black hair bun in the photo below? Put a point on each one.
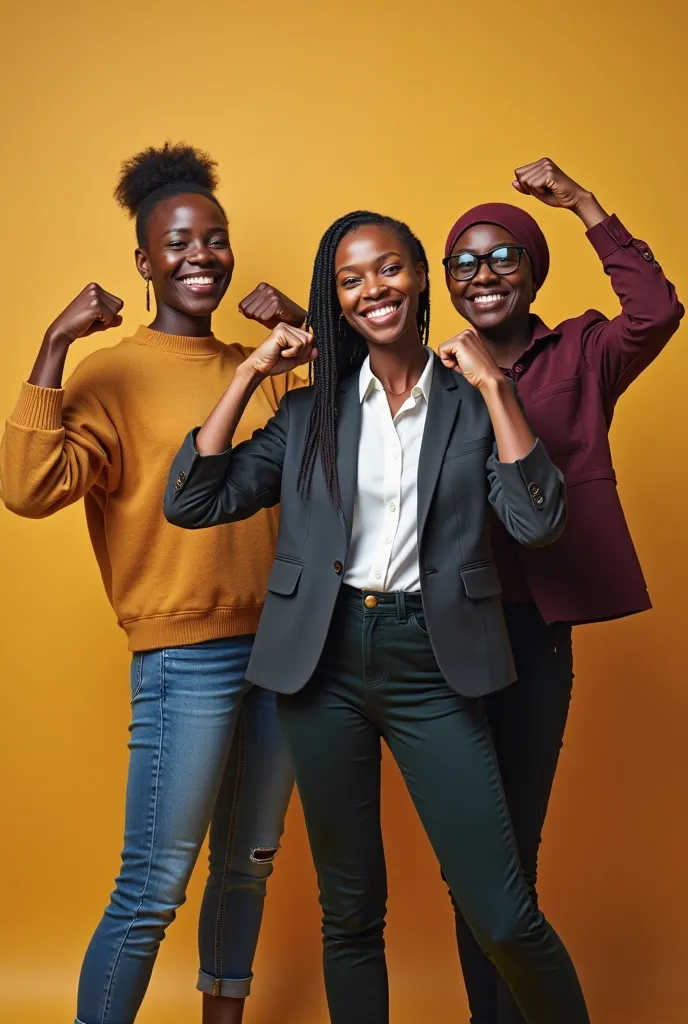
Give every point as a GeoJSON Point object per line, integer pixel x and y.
{"type": "Point", "coordinates": [173, 164]}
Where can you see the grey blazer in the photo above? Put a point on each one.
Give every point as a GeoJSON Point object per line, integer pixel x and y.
{"type": "Point", "coordinates": [459, 478]}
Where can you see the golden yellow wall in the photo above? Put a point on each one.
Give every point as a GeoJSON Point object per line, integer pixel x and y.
{"type": "Point", "coordinates": [312, 109]}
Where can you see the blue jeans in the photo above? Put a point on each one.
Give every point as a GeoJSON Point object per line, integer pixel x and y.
{"type": "Point", "coordinates": [205, 749]}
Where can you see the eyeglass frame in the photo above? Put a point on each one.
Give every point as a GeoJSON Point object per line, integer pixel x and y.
{"type": "Point", "coordinates": [484, 258]}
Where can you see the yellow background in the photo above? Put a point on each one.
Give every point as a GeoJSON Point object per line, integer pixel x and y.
{"type": "Point", "coordinates": [313, 109]}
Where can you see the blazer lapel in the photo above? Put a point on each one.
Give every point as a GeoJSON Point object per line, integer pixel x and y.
{"type": "Point", "coordinates": [443, 409]}
{"type": "Point", "coordinates": [348, 436]}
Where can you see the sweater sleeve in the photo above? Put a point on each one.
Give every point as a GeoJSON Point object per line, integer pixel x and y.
{"type": "Point", "coordinates": [57, 445]}
{"type": "Point", "coordinates": [618, 350]}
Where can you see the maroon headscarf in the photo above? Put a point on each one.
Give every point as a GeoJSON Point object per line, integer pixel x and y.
{"type": "Point", "coordinates": [518, 223]}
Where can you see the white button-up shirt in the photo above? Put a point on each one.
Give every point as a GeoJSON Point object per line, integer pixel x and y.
{"type": "Point", "coordinates": [383, 554]}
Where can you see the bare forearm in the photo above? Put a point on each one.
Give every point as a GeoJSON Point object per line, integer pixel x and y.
{"type": "Point", "coordinates": [216, 434]}
{"type": "Point", "coordinates": [590, 211]}
{"type": "Point", "coordinates": [49, 366]}
{"type": "Point", "coordinates": [512, 433]}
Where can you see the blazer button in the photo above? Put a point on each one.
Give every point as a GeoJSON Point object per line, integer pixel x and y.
{"type": "Point", "coordinates": [338, 567]}
{"type": "Point", "coordinates": [179, 482]}
{"type": "Point", "coordinates": [534, 490]}
{"type": "Point", "coordinates": [539, 501]}
{"type": "Point", "coordinates": [648, 255]}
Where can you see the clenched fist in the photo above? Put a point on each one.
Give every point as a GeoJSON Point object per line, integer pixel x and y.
{"type": "Point", "coordinates": [270, 307]}
{"type": "Point", "coordinates": [286, 348]}
{"type": "Point", "coordinates": [551, 186]}
{"type": "Point", "coordinates": [92, 310]}
{"type": "Point", "coordinates": [467, 355]}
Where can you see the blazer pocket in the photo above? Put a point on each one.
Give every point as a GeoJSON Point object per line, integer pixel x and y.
{"type": "Point", "coordinates": [481, 581]}
{"type": "Point", "coordinates": [454, 451]}
{"type": "Point", "coordinates": [284, 577]}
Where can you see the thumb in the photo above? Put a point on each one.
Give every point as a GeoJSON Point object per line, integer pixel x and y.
{"type": "Point", "coordinates": [519, 187]}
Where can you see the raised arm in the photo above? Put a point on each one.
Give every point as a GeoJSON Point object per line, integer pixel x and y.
{"type": "Point", "coordinates": [212, 483]}
{"type": "Point", "coordinates": [526, 489]}
{"type": "Point", "coordinates": [617, 350]}
{"type": "Point", "coordinates": [58, 443]}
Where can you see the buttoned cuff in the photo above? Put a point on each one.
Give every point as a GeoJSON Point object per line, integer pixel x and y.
{"type": "Point", "coordinates": [189, 461]}
{"type": "Point", "coordinates": [535, 471]}
{"type": "Point", "coordinates": [608, 235]}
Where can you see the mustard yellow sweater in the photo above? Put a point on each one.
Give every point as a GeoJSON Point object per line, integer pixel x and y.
{"type": "Point", "coordinates": [110, 437]}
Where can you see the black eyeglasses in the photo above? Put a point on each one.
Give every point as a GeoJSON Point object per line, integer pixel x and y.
{"type": "Point", "coordinates": [505, 259]}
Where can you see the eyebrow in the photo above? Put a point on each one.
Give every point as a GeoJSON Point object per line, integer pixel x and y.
{"type": "Point", "coordinates": [380, 259]}
{"type": "Point", "coordinates": [474, 252]}
{"type": "Point", "coordinates": [187, 231]}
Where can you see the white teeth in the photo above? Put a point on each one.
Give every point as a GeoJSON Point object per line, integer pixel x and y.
{"type": "Point", "coordinates": [198, 280]}
{"type": "Point", "coordinates": [486, 300]}
{"type": "Point", "coordinates": [384, 311]}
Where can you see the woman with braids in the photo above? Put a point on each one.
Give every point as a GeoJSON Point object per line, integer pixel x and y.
{"type": "Point", "coordinates": [205, 745]}
{"type": "Point", "coordinates": [569, 380]}
{"type": "Point", "coordinates": [383, 617]}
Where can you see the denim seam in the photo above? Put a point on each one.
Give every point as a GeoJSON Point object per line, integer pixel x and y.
{"type": "Point", "coordinates": [108, 991]}
{"type": "Point", "coordinates": [229, 850]}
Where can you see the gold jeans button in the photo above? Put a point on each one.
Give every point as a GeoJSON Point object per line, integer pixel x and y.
{"type": "Point", "coordinates": [370, 601]}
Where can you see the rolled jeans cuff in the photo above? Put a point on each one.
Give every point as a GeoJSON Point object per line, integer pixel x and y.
{"type": "Point", "coordinates": [231, 988]}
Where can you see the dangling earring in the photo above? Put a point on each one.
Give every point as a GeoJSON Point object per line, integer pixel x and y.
{"type": "Point", "coordinates": [148, 294]}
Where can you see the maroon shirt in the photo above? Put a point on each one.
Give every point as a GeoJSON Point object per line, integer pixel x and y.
{"type": "Point", "coordinates": [569, 380]}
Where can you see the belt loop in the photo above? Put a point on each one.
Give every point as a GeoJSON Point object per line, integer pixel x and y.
{"type": "Point", "coordinates": [402, 614]}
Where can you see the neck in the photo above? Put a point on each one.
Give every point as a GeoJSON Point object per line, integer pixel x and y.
{"type": "Point", "coordinates": [507, 343]}
{"type": "Point", "coordinates": [173, 321]}
{"type": "Point", "coordinates": [398, 366]}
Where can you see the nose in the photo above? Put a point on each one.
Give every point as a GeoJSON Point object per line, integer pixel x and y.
{"type": "Point", "coordinates": [485, 275]}
{"type": "Point", "coordinates": [202, 255]}
{"type": "Point", "coordinates": [374, 286]}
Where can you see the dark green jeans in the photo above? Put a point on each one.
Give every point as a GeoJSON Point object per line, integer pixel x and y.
{"type": "Point", "coordinates": [378, 678]}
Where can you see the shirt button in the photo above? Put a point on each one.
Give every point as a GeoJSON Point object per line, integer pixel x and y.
{"type": "Point", "coordinates": [338, 567]}
{"type": "Point", "coordinates": [518, 368]}
{"type": "Point", "coordinates": [378, 574]}
{"type": "Point", "coordinates": [395, 453]}
{"type": "Point", "coordinates": [392, 507]}
{"type": "Point", "coordinates": [388, 540]}
{"type": "Point", "coordinates": [648, 255]}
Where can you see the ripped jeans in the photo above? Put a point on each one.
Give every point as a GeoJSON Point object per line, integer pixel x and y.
{"type": "Point", "coordinates": [205, 750]}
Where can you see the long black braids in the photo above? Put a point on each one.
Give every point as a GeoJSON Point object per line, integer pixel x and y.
{"type": "Point", "coordinates": [341, 350]}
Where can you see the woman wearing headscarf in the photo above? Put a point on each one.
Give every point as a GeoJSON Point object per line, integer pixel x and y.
{"type": "Point", "coordinates": [569, 379]}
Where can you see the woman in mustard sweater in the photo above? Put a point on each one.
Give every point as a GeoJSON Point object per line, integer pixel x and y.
{"type": "Point", "coordinates": [205, 748]}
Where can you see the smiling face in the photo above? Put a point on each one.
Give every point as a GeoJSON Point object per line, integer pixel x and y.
{"type": "Point", "coordinates": [187, 255]}
{"type": "Point", "coordinates": [491, 301]}
{"type": "Point", "coordinates": [378, 284]}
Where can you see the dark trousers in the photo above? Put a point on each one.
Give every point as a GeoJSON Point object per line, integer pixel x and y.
{"type": "Point", "coordinates": [378, 678]}
{"type": "Point", "coordinates": [527, 721]}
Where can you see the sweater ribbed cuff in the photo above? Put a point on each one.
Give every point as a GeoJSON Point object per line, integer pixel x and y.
{"type": "Point", "coordinates": [39, 408]}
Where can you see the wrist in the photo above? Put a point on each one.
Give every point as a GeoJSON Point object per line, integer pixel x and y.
{"type": "Point", "coordinates": [494, 386]}
{"type": "Point", "coordinates": [589, 210]}
{"type": "Point", "coordinates": [248, 376]}
{"type": "Point", "coordinates": [56, 342]}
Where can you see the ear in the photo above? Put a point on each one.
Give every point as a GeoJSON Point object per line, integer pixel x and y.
{"type": "Point", "coordinates": [422, 276]}
{"type": "Point", "coordinates": [142, 264]}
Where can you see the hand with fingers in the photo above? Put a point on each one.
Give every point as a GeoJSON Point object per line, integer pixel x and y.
{"type": "Point", "coordinates": [269, 306]}
{"type": "Point", "coordinates": [284, 349]}
{"type": "Point", "coordinates": [467, 355]}
{"type": "Point", "coordinates": [92, 310]}
{"type": "Point", "coordinates": [548, 183]}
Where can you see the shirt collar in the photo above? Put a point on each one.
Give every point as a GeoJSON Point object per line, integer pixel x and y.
{"type": "Point", "coordinates": [368, 382]}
